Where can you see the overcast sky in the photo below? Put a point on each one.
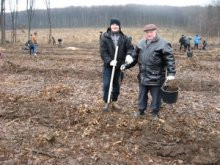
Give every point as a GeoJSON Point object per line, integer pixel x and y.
{"type": "Point", "coordinates": [40, 4]}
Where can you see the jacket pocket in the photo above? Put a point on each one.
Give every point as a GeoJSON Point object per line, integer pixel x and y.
{"type": "Point", "coordinates": [152, 74]}
{"type": "Point", "coordinates": [156, 59]}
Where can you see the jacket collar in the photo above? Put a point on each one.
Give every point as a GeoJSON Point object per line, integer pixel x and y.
{"type": "Point", "coordinates": [153, 40]}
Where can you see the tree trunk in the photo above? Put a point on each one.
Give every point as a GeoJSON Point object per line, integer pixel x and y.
{"type": "Point", "coordinates": [3, 21]}
{"type": "Point", "coordinates": [47, 2]}
{"type": "Point", "coordinates": [30, 13]}
{"type": "Point", "coordinates": [13, 5]}
{"type": "Point", "coordinates": [16, 18]}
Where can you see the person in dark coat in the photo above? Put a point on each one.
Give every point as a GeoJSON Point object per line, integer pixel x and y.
{"type": "Point", "coordinates": [155, 57]}
{"type": "Point", "coordinates": [108, 41]}
{"type": "Point", "coordinates": [187, 44]}
{"type": "Point", "coordinates": [182, 41]}
{"type": "Point", "coordinates": [204, 44]}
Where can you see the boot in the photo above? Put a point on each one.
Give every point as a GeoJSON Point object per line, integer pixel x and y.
{"type": "Point", "coordinates": [105, 107]}
{"type": "Point", "coordinates": [155, 116]}
{"type": "Point", "coordinates": [139, 113]}
{"type": "Point", "coordinates": [115, 106]}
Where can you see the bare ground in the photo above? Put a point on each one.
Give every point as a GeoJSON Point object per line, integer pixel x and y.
{"type": "Point", "coordinates": [50, 111]}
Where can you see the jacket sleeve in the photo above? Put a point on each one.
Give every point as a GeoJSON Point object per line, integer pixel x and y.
{"type": "Point", "coordinates": [169, 59]}
{"type": "Point", "coordinates": [129, 46]}
{"type": "Point", "coordinates": [104, 51]}
{"type": "Point", "coordinates": [134, 55]}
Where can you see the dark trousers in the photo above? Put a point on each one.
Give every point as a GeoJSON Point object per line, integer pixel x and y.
{"type": "Point", "coordinates": [143, 98]}
{"type": "Point", "coordinates": [196, 46]}
{"type": "Point", "coordinates": [107, 71]}
{"type": "Point", "coordinates": [187, 47]}
{"type": "Point", "coordinates": [31, 48]}
{"type": "Point", "coordinates": [203, 46]}
{"type": "Point", "coordinates": [181, 45]}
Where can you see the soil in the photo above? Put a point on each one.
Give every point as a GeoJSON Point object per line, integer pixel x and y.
{"type": "Point", "coordinates": [50, 111]}
{"type": "Point", "coordinates": [170, 88]}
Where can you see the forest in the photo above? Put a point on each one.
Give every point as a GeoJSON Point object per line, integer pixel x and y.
{"type": "Point", "coordinates": [203, 20]}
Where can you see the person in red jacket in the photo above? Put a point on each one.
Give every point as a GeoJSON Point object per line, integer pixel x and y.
{"type": "Point", "coordinates": [34, 43]}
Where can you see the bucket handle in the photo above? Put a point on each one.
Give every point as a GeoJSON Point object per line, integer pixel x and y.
{"type": "Point", "coordinates": [165, 82]}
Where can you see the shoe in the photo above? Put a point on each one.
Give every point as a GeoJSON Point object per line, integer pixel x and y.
{"type": "Point", "coordinates": [35, 54]}
{"type": "Point", "coordinates": [155, 116]}
{"type": "Point", "coordinates": [139, 113]}
{"type": "Point", "coordinates": [105, 108]}
{"type": "Point", "coordinates": [115, 106]}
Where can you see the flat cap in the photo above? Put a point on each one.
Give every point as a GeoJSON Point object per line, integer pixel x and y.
{"type": "Point", "coordinates": [150, 27]}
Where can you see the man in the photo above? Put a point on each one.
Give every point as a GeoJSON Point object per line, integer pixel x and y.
{"type": "Point", "coordinates": [53, 39]}
{"type": "Point", "coordinates": [187, 44]}
{"type": "Point", "coordinates": [196, 41]}
{"type": "Point", "coordinates": [34, 43]}
{"type": "Point", "coordinates": [108, 41]}
{"type": "Point", "coordinates": [204, 44]}
{"type": "Point", "coordinates": [27, 45]}
{"type": "Point", "coordinates": [182, 41]}
{"type": "Point", "coordinates": [154, 56]}
{"type": "Point", "coordinates": [30, 46]}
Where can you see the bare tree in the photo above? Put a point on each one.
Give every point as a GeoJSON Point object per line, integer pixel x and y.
{"type": "Point", "coordinates": [3, 21]}
{"type": "Point", "coordinates": [30, 14]}
{"type": "Point", "coordinates": [13, 5]}
{"type": "Point", "coordinates": [217, 4]}
{"type": "Point", "coordinates": [47, 3]}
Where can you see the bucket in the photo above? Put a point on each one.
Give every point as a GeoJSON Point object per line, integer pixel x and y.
{"type": "Point", "coordinates": [189, 54]}
{"type": "Point", "coordinates": [169, 94]}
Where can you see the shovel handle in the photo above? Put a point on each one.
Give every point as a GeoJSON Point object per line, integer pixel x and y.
{"type": "Point", "coordinates": [112, 76]}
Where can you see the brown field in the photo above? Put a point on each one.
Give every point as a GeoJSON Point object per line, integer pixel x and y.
{"type": "Point", "coordinates": [50, 106]}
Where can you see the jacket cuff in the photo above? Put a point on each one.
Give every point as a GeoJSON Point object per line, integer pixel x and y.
{"type": "Point", "coordinates": [170, 74]}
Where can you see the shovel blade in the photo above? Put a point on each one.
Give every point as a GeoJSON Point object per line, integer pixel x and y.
{"type": "Point", "coordinates": [106, 107]}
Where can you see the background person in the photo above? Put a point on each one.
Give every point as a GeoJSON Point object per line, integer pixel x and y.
{"type": "Point", "coordinates": [196, 41]}
{"type": "Point", "coordinates": [182, 41]}
{"type": "Point", "coordinates": [34, 43]}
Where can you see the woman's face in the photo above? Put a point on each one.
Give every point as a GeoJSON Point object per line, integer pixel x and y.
{"type": "Point", "coordinates": [114, 28]}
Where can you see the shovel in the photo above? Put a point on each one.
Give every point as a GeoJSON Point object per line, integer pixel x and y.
{"type": "Point", "coordinates": [112, 77]}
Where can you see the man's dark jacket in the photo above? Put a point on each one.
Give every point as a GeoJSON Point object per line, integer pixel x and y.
{"type": "Point", "coordinates": [153, 59]}
{"type": "Point", "coordinates": [107, 48]}
{"type": "Point", "coordinates": [182, 40]}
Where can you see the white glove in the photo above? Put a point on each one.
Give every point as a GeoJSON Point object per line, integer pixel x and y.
{"type": "Point", "coordinates": [170, 78]}
{"type": "Point", "coordinates": [123, 67]}
{"type": "Point", "coordinates": [128, 59]}
{"type": "Point", "coordinates": [113, 63]}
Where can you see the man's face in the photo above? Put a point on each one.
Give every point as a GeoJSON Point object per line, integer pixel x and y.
{"type": "Point", "coordinates": [150, 34]}
{"type": "Point", "coordinates": [114, 28]}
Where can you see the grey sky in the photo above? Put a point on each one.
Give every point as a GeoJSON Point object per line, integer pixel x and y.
{"type": "Point", "coordinates": [64, 3]}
